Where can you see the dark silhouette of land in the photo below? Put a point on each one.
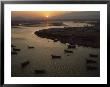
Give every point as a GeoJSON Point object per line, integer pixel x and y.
{"type": "Point", "coordinates": [88, 36]}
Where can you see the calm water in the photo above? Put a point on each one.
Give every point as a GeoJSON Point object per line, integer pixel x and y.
{"type": "Point", "coordinates": [40, 57]}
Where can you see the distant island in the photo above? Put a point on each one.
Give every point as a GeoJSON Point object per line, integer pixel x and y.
{"type": "Point", "coordinates": [88, 36]}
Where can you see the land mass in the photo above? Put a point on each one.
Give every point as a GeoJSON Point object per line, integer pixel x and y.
{"type": "Point", "coordinates": [88, 36]}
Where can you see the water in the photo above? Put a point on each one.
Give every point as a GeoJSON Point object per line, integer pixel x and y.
{"type": "Point", "coordinates": [70, 65]}
{"type": "Point", "coordinates": [77, 24]}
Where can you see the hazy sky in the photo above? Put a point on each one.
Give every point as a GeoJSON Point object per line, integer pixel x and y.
{"type": "Point", "coordinates": [40, 15]}
{"type": "Point", "coordinates": [36, 14]}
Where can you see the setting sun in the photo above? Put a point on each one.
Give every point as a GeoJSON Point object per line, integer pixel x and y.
{"type": "Point", "coordinates": [47, 16]}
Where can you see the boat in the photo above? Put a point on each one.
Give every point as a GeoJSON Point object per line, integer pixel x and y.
{"type": "Point", "coordinates": [15, 49]}
{"type": "Point", "coordinates": [68, 51]}
{"type": "Point", "coordinates": [13, 45]}
{"type": "Point", "coordinates": [90, 61]}
{"type": "Point", "coordinates": [39, 71]}
{"type": "Point", "coordinates": [30, 47]}
{"type": "Point", "coordinates": [55, 57]}
{"type": "Point", "coordinates": [24, 64]}
{"type": "Point", "coordinates": [93, 55]}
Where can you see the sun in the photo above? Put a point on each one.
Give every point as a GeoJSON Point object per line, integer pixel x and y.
{"type": "Point", "coordinates": [47, 16]}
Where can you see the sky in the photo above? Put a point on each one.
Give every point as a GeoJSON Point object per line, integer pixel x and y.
{"type": "Point", "coordinates": [41, 15]}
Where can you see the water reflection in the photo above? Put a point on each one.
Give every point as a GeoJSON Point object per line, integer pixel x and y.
{"type": "Point", "coordinates": [40, 59]}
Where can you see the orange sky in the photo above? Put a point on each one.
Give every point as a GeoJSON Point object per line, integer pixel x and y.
{"type": "Point", "coordinates": [41, 15]}
{"type": "Point", "coordinates": [36, 13]}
